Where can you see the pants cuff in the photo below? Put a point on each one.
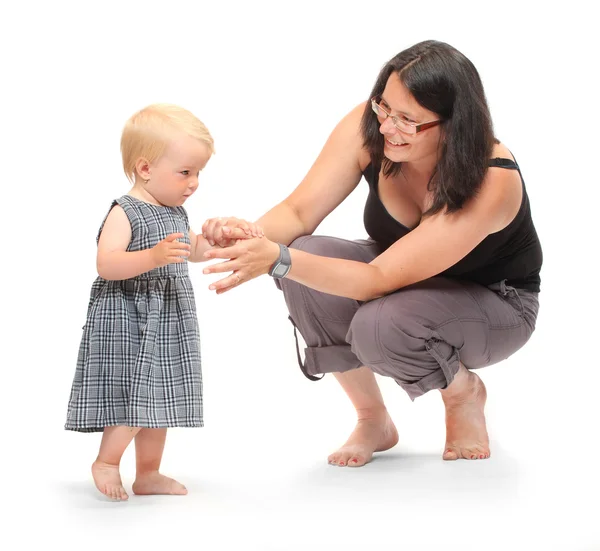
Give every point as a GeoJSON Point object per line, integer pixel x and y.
{"type": "Point", "coordinates": [449, 360]}
{"type": "Point", "coordinates": [330, 359]}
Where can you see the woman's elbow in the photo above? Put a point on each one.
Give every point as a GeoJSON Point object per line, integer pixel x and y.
{"type": "Point", "coordinates": [370, 292]}
{"type": "Point", "coordinates": [367, 296]}
{"type": "Point", "coordinates": [375, 286]}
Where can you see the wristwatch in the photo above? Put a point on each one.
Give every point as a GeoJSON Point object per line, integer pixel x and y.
{"type": "Point", "coordinates": [283, 264]}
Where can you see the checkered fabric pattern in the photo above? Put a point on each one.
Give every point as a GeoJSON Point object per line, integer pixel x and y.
{"type": "Point", "coordinates": [139, 358]}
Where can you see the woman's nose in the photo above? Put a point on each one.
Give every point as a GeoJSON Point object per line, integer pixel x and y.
{"type": "Point", "coordinates": [387, 127]}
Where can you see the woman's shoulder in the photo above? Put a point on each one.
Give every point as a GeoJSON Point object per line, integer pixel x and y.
{"type": "Point", "coordinates": [501, 191]}
{"type": "Point", "coordinates": [501, 151]}
{"type": "Point", "coordinates": [346, 138]}
{"type": "Point", "coordinates": [351, 124]}
{"type": "Point", "coordinates": [503, 176]}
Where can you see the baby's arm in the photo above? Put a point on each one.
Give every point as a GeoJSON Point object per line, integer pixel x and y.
{"type": "Point", "coordinates": [114, 262]}
{"type": "Point", "coordinates": [199, 247]}
{"type": "Point", "coordinates": [228, 237]}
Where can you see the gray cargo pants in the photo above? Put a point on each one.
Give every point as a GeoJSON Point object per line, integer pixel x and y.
{"type": "Point", "coordinates": [416, 335]}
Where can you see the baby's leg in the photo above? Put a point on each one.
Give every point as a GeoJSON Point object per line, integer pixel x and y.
{"type": "Point", "coordinates": [105, 469]}
{"type": "Point", "coordinates": [149, 446]}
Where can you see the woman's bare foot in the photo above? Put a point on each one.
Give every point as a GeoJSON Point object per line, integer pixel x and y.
{"type": "Point", "coordinates": [154, 483]}
{"type": "Point", "coordinates": [374, 432]}
{"type": "Point", "coordinates": [466, 433]}
{"type": "Point", "coordinates": [108, 480]}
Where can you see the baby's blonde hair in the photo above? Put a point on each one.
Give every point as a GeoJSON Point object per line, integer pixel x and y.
{"type": "Point", "coordinates": [148, 132]}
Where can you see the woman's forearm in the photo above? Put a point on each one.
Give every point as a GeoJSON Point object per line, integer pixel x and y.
{"type": "Point", "coordinates": [282, 224]}
{"type": "Point", "coordinates": [336, 276]}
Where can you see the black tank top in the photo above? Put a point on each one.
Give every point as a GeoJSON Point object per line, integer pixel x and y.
{"type": "Point", "coordinates": [513, 254]}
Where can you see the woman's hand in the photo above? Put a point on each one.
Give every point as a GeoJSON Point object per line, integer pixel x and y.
{"type": "Point", "coordinates": [248, 258]}
{"type": "Point", "coordinates": [219, 231]}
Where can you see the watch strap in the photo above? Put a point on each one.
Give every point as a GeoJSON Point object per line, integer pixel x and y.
{"type": "Point", "coordinates": [284, 259]}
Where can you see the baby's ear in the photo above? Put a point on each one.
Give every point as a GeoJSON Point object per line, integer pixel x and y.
{"type": "Point", "coordinates": [142, 168]}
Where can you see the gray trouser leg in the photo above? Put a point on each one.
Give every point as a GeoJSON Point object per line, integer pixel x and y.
{"type": "Point", "coordinates": [416, 335]}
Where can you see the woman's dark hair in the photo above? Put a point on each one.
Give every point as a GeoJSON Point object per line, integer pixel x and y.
{"type": "Point", "coordinates": [445, 82]}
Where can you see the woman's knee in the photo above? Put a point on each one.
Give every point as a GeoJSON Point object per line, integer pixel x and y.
{"type": "Point", "coordinates": [388, 337]}
{"type": "Point", "coordinates": [320, 245]}
{"type": "Point", "coordinates": [363, 333]}
{"type": "Point", "coordinates": [360, 250]}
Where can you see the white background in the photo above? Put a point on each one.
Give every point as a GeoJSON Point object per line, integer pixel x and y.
{"type": "Point", "coordinates": [271, 80]}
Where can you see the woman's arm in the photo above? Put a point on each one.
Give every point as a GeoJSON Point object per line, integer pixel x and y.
{"type": "Point", "coordinates": [333, 176]}
{"type": "Point", "coordinates": [439, 242]}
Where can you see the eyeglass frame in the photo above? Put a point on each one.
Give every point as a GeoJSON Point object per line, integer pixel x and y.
{"type": "Point", "coordinates": [417, 127]}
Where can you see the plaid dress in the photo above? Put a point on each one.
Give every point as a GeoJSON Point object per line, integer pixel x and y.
{"type": "Point", "coordinates": [139, 358]}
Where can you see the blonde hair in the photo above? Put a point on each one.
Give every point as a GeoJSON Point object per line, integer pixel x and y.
{"type": "Point", "coordinates": [148, 132]}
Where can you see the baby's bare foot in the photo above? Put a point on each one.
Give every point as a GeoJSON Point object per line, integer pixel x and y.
{"type": "Point", "coordinates": [154, 483]}
{"type": "Point", "coordinates": [466, 432]}
{"type": "Point", "coordinates": [108, 480]}
{"type": "Point", "coordinates": [374, 432]}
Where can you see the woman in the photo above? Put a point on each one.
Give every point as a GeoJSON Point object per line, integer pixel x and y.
{"type": "Point", "coordinates": [449, 280]}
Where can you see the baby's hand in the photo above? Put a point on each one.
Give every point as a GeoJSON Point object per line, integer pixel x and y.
{"type": "Point", "coordinates": [224, 232]}
{"type": "Point", "coordinates": [170, 251]}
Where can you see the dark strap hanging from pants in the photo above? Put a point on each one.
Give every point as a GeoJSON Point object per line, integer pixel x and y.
{"type": "Point", "coordinates": [302, 367]}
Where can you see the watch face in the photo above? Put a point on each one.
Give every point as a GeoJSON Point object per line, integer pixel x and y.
{"type": "Point", "coordinates": [280, 270]}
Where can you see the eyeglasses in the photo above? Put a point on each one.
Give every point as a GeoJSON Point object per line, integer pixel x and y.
{"type": "Point", "coordinates": [403, 125]}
